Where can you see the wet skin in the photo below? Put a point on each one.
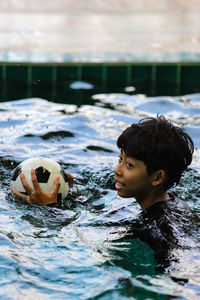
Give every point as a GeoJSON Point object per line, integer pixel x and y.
{"type": "Point", "coordinates": [37, 195]}
{"type": "Point", "coordinates": [132, 180]}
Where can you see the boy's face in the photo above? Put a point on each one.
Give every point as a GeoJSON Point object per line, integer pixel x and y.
{"type": "Point", "coordinates": [132, 179]}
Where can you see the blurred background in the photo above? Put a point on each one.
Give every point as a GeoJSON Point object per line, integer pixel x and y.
{"type": "Point", "coordinates": [79, 72]}
{"type": "Point", "coordinates": [99, 30]}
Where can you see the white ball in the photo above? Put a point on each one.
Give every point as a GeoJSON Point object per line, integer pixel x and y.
{"type": "Point", "coordinates": [46, 170]}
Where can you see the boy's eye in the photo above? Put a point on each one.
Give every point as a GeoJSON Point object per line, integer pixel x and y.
{"type": "Point", "coordinates": [129, 165]}
{"type": "Point", "coordinates": [120, 158]}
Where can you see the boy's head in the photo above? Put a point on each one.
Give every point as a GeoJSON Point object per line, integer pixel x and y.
{"type": "Point", "coordinates": [160, 145]}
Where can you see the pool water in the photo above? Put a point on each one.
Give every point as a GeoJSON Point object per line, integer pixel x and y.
{"type": "Point", "coordinates": [68, 251]}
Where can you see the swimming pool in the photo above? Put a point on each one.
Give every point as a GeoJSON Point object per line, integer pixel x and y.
{"type": "Point", "coordinates": [68, 251]}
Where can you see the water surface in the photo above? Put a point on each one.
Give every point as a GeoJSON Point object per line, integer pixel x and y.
{"type": "Point", "coordinates": [70, 251]}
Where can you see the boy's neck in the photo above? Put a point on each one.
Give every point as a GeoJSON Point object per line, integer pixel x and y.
{"type": "Point", "coordinates": [149, 201]}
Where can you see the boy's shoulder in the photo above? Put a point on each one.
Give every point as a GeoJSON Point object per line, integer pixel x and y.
{"type": "Point", "coordinates": [172, 206]}
{"type": "Point", "coordinates": [163, 223]}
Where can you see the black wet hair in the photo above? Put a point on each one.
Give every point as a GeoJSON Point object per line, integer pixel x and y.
{"type": "Point", "coordinates": [160, 145]}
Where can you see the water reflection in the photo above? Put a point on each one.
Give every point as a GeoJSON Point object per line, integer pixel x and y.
{"type": "Point", "coordinates": [71, 250]}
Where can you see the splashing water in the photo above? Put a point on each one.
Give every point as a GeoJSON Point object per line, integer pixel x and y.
{"type": "Point", "coordinates": [72, 251]}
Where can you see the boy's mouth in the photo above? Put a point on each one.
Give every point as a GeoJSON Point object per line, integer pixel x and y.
{"type": "Point", "coordinates": [118, 185]}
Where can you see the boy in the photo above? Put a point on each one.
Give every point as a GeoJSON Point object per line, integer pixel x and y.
{"type": "Point", "coordinates": [154, 154]}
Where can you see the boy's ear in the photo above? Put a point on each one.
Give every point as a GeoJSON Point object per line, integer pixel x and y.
{"type": "Point", "coordinates": [158, 178]}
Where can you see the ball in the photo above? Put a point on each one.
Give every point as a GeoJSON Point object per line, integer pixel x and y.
{"type": "Point", "coordinates": [46, 170]}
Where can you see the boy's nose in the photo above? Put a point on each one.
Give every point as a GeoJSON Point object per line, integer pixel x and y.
{"type": "Point", "coordinates": [117, 170]}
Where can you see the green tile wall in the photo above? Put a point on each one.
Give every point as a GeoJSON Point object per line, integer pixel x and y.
{"type": "Point", "coordinates": [42, 73]}
{"type": "Point", "coordinates": [151, 78]}
{"type": "Point", "coordinates": [141, 73]}
{"type": "Point", "coordinates": [92, 74]}
{"type": "Point", "coordinates": [68, 73]}
{"type": "Point", "coordinates": [190, 75]}
{"type": "Point", "coordinates": [1, 72]}
{"type": "Point", "coordinates": [16, 73]}
{"type": "Point", "coordinates": [166, 74]}
{"type": "Point", "coordinates": [117, 74]}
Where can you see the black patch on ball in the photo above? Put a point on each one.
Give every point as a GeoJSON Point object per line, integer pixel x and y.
{"type": "Point", "coordinates": [16, 173]}
{"type": "Point", "coordinates": [64, 175]}
{"type": "Point", "coordinates": [42, 174]}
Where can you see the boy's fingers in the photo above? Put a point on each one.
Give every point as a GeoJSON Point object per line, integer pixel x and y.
{"type": "Point", "coordinates": [70, 179]}
{"type": "Point", "coordinates": [34, 180]}
{"type": "Point", "coordinates": [25, 184]}
{"type": "Point", "coordinates": [21, 196]}
{"type": "Point", "coordinates": [69, 176]}
{"type": "Point", "coordinates": [56, 186]}
{"type": "Point", "coordinates": [18, 194]}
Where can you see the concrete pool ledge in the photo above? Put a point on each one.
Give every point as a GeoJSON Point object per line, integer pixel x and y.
{"type": "Point", "coordinates": [128, 57]}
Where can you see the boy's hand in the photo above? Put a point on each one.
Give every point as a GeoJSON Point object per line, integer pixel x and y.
{"type": "Point", "coordinates": [37, 195]}
{"type": "Point", "coordinates": [70, 179]}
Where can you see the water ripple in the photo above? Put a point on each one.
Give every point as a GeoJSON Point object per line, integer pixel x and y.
{"type": "Point", "coordinates": [73, 250]}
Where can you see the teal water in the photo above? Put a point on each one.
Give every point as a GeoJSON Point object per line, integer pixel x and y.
{"type": "Point", "coordinates": [69, 251]}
